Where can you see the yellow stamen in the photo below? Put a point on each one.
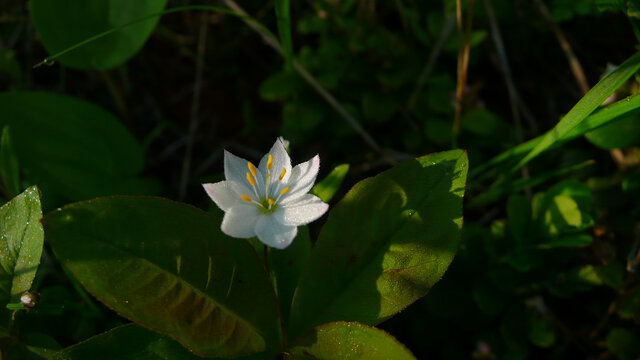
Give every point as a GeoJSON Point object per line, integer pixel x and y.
{"type": "Point", "coordinates": [270, 201]}
{"type": "Point", "coordinates": [283, 191]}
{"type": "Point", "coordinates": [250, 180]}
{"type": "Point", "coordinates": [284, 171]}
{"type": "Point", "coordinates": [269, 161]}
{"type": "Point", "coordinates": [251, 168]}
{"type": "Point", "coordinates": [245, 198]}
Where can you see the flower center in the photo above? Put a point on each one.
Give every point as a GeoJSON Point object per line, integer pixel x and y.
{"type": "Point", "coordinates": [267, 203]}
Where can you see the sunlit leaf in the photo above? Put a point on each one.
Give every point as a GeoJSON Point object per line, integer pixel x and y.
{"type": "Point", "coordinates": [385, 244]}
{"type": "Point", "coordinates": [21, 240]}
{"type": "Point", "coordinates": [327, 187]}
{"type": "Point", "coordinates": [347, 341]}
{"type": "Point", "coordinates": [167, 266]}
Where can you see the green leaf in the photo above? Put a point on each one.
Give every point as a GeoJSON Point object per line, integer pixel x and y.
{"type": "Point", "coordinates": [611, 5]}
{"type": "Point", "coordinates": [573, 240]}
{"type": "Point", "coordinates": [10, 66]}
{"type": "Point", "coordinates": [385, 244]}
{"type": "Point", "coordinates": [347, 341]}
{"type": "Point", "coordinates": [585, 106]}
{"type": "Point", "coordinates": [60, 27]}
{"type": "Point", "coordinates": [279, 86]}
{"type": "Point", "coordinates": [611, 274]}
{"type": "Point", "coordinates": [500, 190]}
{"type": "Point", "coordinates": [630, 304]}
{"type": "Point", "coordinates": [167, 266]}
{"type": "Point", "coordinates": [72, 149]}
{"type": "Point", "coordinates": [541, 333]}
{"type": "Point", "coordinates": [519, 217]}
{"type": "Point", "coordinates": [623, 343]}
{"type": "Point", "coordinates": [620, 134]}
{"type": "Point", "coordinates": [605, 115]}
{"type": "Point", "coordinates": [564, 209]}
{"type": "Point", "coordinates": [329, 186]}
{"type": "Point", "coordinates": [481, 122]}
{"type": "Point", "coordinates": [21, 240]}
{"type": "Point", "coordinates": [9, 168]}
{"type": "Point", "coordinates": [126, 342]}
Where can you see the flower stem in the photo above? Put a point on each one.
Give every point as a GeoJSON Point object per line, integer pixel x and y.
{"type": "Point", "coordinates": [266, 261]}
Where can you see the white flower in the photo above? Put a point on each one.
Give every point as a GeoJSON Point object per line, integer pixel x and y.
{"type": "Point", "coordinates": [269, 201]}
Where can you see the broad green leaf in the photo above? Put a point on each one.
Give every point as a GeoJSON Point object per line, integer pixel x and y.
{"type": "Point", "coordinates": [585, 106]}
{"type": "Point", "coordinates": [167, 266]}
{"type": "Point", "coordinates": [126, 342]}
{"type": "Point", "coordinates": [329, 186]}
{"type": "Point", "coordinates": [72, 149]}
{"type": "Point", "coordinates": [21, 239]}
{"type": "Point", "coordinates": [384, 244]}
{"type": "Point", "coordinates": [623, 343]}
{"type": "Point", "coordinates": [620, 134]}
{"type": "Point", "coordinates": [62, 24]}
{"type": "Point", "coordinates": [347, 341]}
{"type": "Point", "coordinates": [605, 115]}
{"type": "Point", "coordinates": [9, 168]}
{"type": "Point", "coordinates": [287, 265]}
{"type": "Point", "coordinates": [519, 217]}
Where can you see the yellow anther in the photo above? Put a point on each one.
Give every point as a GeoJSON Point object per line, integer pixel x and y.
{"type": "Point", "coordinates": [270, 201]}
{"type": "Point", "coordinates": [269, 161]}
{"type": "Point", "coordinates": [251, 168]}
{"type": "Point", "coordinates": [284, 171]}
{"type": "Point", "coordinates": [284, 190]}
{"type": "Point", "coordinates": [250, 180]}
{"type": "Point", "coordinates": [245, 198]}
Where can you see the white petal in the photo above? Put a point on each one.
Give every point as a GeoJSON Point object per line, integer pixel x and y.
{"type": "Point", "coordinates": [271, 232]}
{"type": "Point", "coordinates": [235, 171]}
{"type": "Point", "coordinates": [301, 181]}
{"type": "Point", "coordinates": [306, 209]}
{"type": "Point", "coordinates": [240, 220]}
{"type": "Point", "coordinates": [221, 194]}
{"type": "Point", "coordinates": [281, 160]}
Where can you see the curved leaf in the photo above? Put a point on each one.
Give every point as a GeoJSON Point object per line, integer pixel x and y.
{"type": "Point", "coordinates": [167, 266]}
{"type": "Point", "coordinates": [61, 24]}
{"type": "Point", "coordinates": [347, 341]}
{"type": "Point", "coordinates": [385, 244]}
{"type": "Point", "coordinates": [589, 102]}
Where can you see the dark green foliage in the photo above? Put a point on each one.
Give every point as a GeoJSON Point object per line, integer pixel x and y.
{"type": "Point", "coordinates": [547, 265]}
